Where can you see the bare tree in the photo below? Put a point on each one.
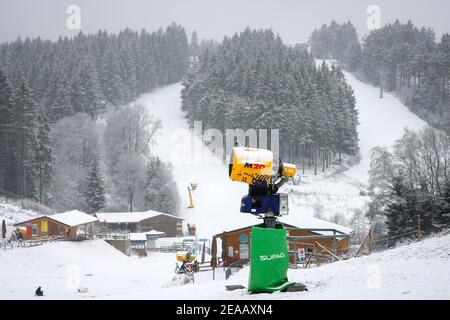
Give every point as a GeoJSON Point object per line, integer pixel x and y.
{"type": "Point", "coordinates": [129, 179]}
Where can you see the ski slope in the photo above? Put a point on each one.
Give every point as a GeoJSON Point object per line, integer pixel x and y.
{"type": "Point", "coordinates": [217, 199]}
{"type": "Point", "coordinates": [342, 189]}
{"type": "Point", "coordinates": [382, 122]}
{"type": "Point", "coordinates": [415, 271]}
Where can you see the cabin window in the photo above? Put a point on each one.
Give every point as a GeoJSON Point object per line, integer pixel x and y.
{"type": "Point", "coordinates": [243, 251]}
{"type": "Point", "coordinates": [243, 246]}
{"type": "Point", "coordinates": [137, 245]}
{"type": "Point", "coordinates": [230, 251]}
{"type": "Point", "coordinates": [34, 230]}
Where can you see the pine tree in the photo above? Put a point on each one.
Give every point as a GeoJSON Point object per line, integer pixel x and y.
{"type": "Point", "coordinates": [43, 157]}
{"type": "Point", "coordinates": [194, 49]}
{"type": "Point", "coordinates": [24, 122]}
{"type": "Point", "coordinates": [5, 131]}
{"type": "Point", "coordinates": [3, 229]}
{"type": "Point", "coordinates": [58, 97]}
{"type": "Point", "coordinates": [160, 188]}
{"type": "Point", "coordinates": [95, 193]}
{"type": "Point", "coordinates": [397, 210]}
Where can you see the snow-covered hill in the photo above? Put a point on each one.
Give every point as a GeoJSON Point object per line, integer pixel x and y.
{"type": "Point", "coordinates": [217, 199]}
{"type": "Point", "coordinates": [61, 268]}
{"type": "Point", "coordinates": [416, 271]}
{"type": "Point", "coordinates": [341, 189]}
{"type": "Point", "coordinates": [382, 122]}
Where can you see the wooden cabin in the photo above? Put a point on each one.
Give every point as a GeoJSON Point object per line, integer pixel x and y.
{"type": "Point", "coordinates": [138, 244]}
{"type": "Point", "coordinates": [170, 225]}
{"type": "Point", "coordinates": [67, 224]}
{"type": "Point", "coordinates": [235, 244]}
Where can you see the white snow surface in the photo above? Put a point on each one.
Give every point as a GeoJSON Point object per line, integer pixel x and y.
{"type": "Point", "coordinates": [138, 236]}
{"type": "Point", "coordinates": [128, 217]}
{"type": "Point", "coordinates": [414, 271]}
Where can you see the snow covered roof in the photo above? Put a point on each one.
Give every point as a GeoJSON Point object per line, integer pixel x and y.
{"type": "Point", "coordinates": [155, 233]}
{"type": "Point", "coordinates": [309, 222]}
{"type": "Point", "coordinates": [129, 217]}
{"type": "Point", "coordinates": [305, 222]}
{"type": "Point", "coordinates": [138, 237]}
{"type": "Point", "coordinates": [73, 218]}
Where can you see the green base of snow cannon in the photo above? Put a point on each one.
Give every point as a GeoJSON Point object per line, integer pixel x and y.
{"type": "Point", "coordinates": [269, 260]}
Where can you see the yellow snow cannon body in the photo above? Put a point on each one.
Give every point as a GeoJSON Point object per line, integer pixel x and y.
{"type": "Point", "coordinates": [251, 166]}
{"type": "Point", "coordinates": [183, 256]}
{"type": "Point", "coordinates": [254, 166]}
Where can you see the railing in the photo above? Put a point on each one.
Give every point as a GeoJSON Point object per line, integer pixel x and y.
{"type": "Point", "coordinates": [113, 236]}
{"type": "Point", "coordinates": [25, 203]}
{"type": "Point", "coordinates": [7, 194]}
{"type": "Point", "coordinates": [11, 244]}
{"type": "Point", "coordinates": [235, 266]}
{"type": "Point", "coordinates": [182, 247]}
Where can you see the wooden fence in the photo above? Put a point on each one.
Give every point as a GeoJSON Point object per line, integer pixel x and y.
{"type": "Point", "coordinates": [17, 244]}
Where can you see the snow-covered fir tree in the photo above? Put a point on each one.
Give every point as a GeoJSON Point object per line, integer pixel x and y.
{"type": "Point", "coordinates": [252, 80]}
{"type": "Point", "coordinates": [95, 193]}
{"type": "Point", "coordinates": [43, 158]}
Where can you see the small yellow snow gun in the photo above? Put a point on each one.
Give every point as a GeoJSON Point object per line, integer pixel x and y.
{"type": "Point", "coordinates": [257, 168]}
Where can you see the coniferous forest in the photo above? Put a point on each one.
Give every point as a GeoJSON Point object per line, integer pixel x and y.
{"type": "Point", "coordinates": [253, 80]}
{"type": "Point", "coordinates": [53, 93]}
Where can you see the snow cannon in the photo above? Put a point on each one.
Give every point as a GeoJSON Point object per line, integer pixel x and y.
{"type": "Point", "coordinates": [264, 175]}
{"type": "Point", "coordinates": [185, 256]}
{"type": "Point", "coordinates": [269, 258]}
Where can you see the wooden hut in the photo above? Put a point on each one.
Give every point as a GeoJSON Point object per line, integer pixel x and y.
{"type": "Point", "coordinates": [235, 244]}
{"type": "Point", "coordinates": [170, 225]}
{"type": "Point", "coordinates": [67, 224]}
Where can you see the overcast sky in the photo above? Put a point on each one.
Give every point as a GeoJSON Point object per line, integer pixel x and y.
{"type": "Point", "coordinates": [294, 20]}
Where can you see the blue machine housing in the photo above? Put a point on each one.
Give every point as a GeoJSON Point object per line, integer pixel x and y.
{"type": "Point", "coordinates": [261, 204]}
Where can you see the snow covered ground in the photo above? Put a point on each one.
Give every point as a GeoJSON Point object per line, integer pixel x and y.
{"type": "Point", "coordinates": [13, 214]}
{"type": "Point", "coordinates": [415, 271]}
{"type": "Point", "coordinates": [61, 268]}
{"type": "Point", "coordinates": [217, 199]}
